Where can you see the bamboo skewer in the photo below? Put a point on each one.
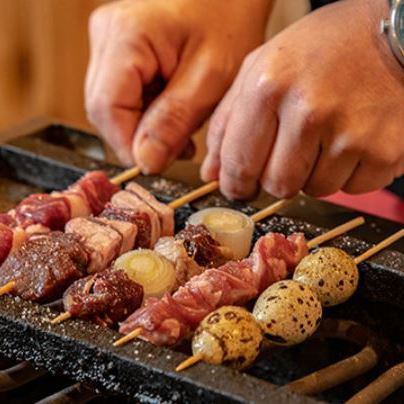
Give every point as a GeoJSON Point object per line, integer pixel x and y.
{"type": "Point", "coordinates": [195, 194]}
{"type": "Point", "coordinates": [335, 232]}
{"type": "Point", "coordinates": [61, 317]}
{"type": "Point", "coordinates": [183, 200]}
{"type": "Point", "coordinates": [380, 246]}
{"type": "Point", "coordinates": [125, 175]}
{"type": "Point", "coordinates": [192, 360]}
{"type": "Point", "coordinates": [127, 338]}
{"type": "Point", "coordinates": [271, 209]}
{"type": "Point", "coordinates": [348, 368]}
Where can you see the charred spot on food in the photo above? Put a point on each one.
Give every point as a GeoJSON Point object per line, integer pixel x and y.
{"type": "Point", "coordinates": [230, 316]}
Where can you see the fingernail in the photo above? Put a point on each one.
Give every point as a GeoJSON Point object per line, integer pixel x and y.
{"type": "Point", "coordinates": [210, 169]}
{"type": "Point", "coordinates": [152, 156]}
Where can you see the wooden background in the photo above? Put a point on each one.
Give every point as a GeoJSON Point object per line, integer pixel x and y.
{"type": "Point", "coordinates": [44, 54]}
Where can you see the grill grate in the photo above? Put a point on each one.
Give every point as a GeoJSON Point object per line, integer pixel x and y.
{"type": "Point", "coordinates": [344, 358]}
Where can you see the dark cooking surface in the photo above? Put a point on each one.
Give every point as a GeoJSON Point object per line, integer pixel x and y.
{"type": "Point", "coordinates": [83, 351]}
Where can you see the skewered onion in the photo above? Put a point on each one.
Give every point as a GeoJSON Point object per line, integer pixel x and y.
{"type": "Point", "coordinates": [229, 335]}
{"type": "Point", "coordinates": [151, 270]}
{"type": "Point", "coordinates": [231, 228]}
{"type": "Point", "coordinates": [288, 312]}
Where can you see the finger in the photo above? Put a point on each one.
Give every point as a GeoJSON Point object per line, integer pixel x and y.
{"type": "Point", "coordinates": [294, 153]}
{"type": "Point", "coordinates": [182, 107]}
{"type": "Point", "coordinates": [115, 100]}
{"type": "Point", "coordinates": [332, 170]}
{"type": "Point", "coordinates": [211, 164]}
{"type": "Point", "coordinates": [98, 28]}
{"type": "Point", "coordinates": [248, 139]}
{"type": "Point", "coordinates": [369, 177]}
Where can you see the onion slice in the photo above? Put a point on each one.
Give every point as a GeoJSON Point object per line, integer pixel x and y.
{"type": "Point", "coordinates": [151, 270]}
{"type": "Point", "coordinates": [229, 227]}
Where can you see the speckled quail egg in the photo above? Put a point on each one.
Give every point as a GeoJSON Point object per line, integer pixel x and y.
{"type": "Point", "coordinates": [331, 273]}
{"type": "Point", "coordinates": [229, 336]}
{"type": "Point", "coordinates": [288, 312]}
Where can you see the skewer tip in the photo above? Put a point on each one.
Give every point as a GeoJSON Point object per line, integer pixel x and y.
{"type": "Point", "coordinates": [60, 318]}
{"type": "Point", "coordinates": [192, 360]}
{"type": "Point", "coordinates": [7, 288]}
{"type": "Point", "coordinates": [129, 337]}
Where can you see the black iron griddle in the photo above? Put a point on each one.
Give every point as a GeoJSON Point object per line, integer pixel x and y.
{"type": "Point", "coordinates": [47, 157]}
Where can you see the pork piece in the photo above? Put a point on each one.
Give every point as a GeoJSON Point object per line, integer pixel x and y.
{"type": "Point", "coordinates": [6, 241]}
{"type": "Point", "coordinates": [101, 240]}
{"type": "Point", "coordinates": [106, 297]}
{"type": "Point", "coordinates": [43, 209]}
{"type": "Point", "coordinates": [45, 266]}
{"type": "Point", "coordinates": [77, 200]}
{"type": "Point", "coordinates": [165, 213]}
{"type": "Point", "coordinates": [128, 200]}
{"type": "Point", "coordinates": [185, 266]}
{"type": "Point", "coordinates": [97, 189]}
{"type": "Point", "coordinates": [127, 230]}
{"type": "Point", "coordinates": [140, 219]}
{"type": "Point", "coordinates": [8, 219]}
{"type": "Point", "coordinates": [168, 320]}
{"type": "Point", "coordinates": [204, 249]}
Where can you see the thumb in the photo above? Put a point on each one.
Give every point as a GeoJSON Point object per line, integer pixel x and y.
{"type": "Point", "coordinates": [189, 98]}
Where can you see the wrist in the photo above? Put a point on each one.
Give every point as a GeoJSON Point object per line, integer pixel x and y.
{"type": "Point", "coordinates": [380, 10]}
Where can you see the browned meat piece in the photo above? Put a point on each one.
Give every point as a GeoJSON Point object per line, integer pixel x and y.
{"type": "Point", "coordinates": [200, 245]}
{"type": "Point", "coordinates": [45, 266]}
{"type": "Point", "coordinates": [140, 219]}
{"type": "Point", "coordinates": [106, 297]}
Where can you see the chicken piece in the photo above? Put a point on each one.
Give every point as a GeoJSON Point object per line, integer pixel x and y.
{"type": "Point", "coordinates": [165, 212]}
{"type": "Point", "coordinates": [128, 200]}
{"type": "Point", "coordinates": [185, 266]}
{"type": "Point", "coordinates": [101, 240]}
{"type": "Point", "coordinates": [126, 229]}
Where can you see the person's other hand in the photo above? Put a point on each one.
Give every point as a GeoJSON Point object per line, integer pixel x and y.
{"type": "Point", "coordinates": [197, 47]}
{"type": "Point", "coordinates": [319, 108]}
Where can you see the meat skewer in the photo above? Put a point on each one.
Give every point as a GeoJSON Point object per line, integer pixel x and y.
{"type": "Point", "coordinates": [103, 238]}
{"type": "Point", "coordinates": [170, 319]}
{"type": "Point", "coordinates": [205, 252]}
{"type": "Point", "coordinates": [279, 321]}
{"type": "Point", "coordinates": [41, 213]}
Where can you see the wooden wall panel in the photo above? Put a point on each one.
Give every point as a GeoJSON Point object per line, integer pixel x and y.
{"type": "Point", "coordinates": [43, 58]}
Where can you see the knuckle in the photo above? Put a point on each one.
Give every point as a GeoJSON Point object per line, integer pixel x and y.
{"type": "Point", "coordinates": [233, 167]}
{"type": "Point", "coordinates": [98, 18]}
{"type": "Point", "coordinates": [269, 90]}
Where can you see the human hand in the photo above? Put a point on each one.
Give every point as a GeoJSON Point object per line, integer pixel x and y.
{"type": "Point", "coordinates": [319, 108]}
{"type": "Point", "coordinates": [196, 46]}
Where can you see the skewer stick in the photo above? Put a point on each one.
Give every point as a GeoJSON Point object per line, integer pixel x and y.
{"type": "Point", "coordinates": [192, 360]}
{"type": "Point", "coordinates": [335, 232]}
{"type": "Point", "coordinates": [7, 288]}
{"type": "Point", "coordinates": [61, 317]}
{"type": "Point", "coordinates": [256, 217]}
{"type": "Point", "coordinates": [195, 194]}
{"type": "Point", "coordinates": [378, 247]}
{"type": "Point", "coordinates": [129, 337]}
{"type": "Point", "coordinates": [125, 175]}
{"type": "Point", "coordinates": [271, 209]}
